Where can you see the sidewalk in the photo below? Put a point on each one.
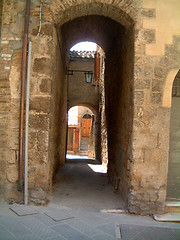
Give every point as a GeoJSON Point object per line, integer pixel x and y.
{"type": "Point", "coordinates": [62, 223]}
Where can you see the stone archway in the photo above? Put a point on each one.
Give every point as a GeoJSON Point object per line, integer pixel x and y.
{"type": "Point", "coordinates": [173, 182]}
{"type": "Point", "coordinates": [117, 40]}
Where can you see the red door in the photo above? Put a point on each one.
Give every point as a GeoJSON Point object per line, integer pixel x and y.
{"type": "Point", "coordinates": [86, 126]}
{"type": "Point", "coordinates": [70, 139]}
{"type": "Point", "coordinates": [76, 140]}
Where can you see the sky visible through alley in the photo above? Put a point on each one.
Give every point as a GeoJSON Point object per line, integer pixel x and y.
{"type": "Point", "coordinates": [84, 46]}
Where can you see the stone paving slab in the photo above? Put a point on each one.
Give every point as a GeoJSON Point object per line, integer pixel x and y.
{"type": "Point", "coordinates": [22, 210]}
{"type": "Point", "coordinates": [149, 233]}
{"type": "Point", "coordinates": [70, 233]}
{"type": "Point", "coordinates": [59, 215]}
{"type": "Point", "coordinates": [168, 217]}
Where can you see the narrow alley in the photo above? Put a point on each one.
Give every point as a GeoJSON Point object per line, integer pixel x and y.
{"type": "Point", "coordinates": [83, 183]}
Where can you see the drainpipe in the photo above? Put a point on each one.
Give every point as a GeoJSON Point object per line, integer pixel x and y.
{"type": "Point", "coordinates": [23, 74]}
{"type": "Point", "coordinates": [27, 128]}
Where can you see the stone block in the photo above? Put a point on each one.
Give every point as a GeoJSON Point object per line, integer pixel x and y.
{"type": "Point", "coordinates": [164, 113]}
{"type": "Point", "coordinates": [158, 126]}
{"type": "Point", "coordinates": [45, 86]}
{"type": "Point", "coordinates": [148, 13]}
{"type": "Point", "coordinates": [17, 45]}
{"type": "Point", "coordinates": [32, 140]}
{"type": "Point", "coordinates": [38, 196]}
{"type": "Point", "coordinates": [155, 98]}
{"type": "Point", "coordinates": [139, 97]}
{"type": "Point", "coordinates": [139, 126]}
{"type": "Point", "coordinates": [163, 140]}
{"type": "Point", "coordinates": [14, 139]}
{"type": "Point", "coordinates": [157, 155]}
{"type": "Point", "coordinates": [38, 193]}
{"type": "Point", "coordinates": [159, 72]}
{"type": "Point", "coordinates": [39, 121]}
{"type": "Point", "coordinates": [148, 72]}
{"type": "Point", "coordinates": [46, 29]}
{"type": "Point", "coordinates": [12, 156]}
{"type": "Point", "coordinates": [43, 140]}
{"type": "Point", "coordinates": [162, 195]}
{"type": "Point", "coordinates": [163, 168]}
{"type": "Point", "coordinates": [146, 113]}
{"type": "Point", "coordinates": [2, 171]}
{"type": "Point", "coordinates": [149, 35]}
{"type": "Point", "coordinates": [146, 171]}
{"type": "Point", "coordinates": [139, 71]}
{"type": "Point", "coordinates": [40, 104]}
{"type": "Point", "coordinates": [138, 155]}
{"type": "Point", "coordinates": [144, 140]}
{"type": "Point", "coordinates": [142, 84]}
{"type": "Point", "coordinates": [157, 85]}
{"type": "Point", "coordinates": [150, 195]}
{"type": "Point", "coordinates": [12, 173]}
{"type": "Point", "coordinates": [42, 65]}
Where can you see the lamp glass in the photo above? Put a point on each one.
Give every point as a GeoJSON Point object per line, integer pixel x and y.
{"type": "Point", "coordinates": [88, 77]}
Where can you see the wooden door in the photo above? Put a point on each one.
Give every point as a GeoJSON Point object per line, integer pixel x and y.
{"type": "Point", "coordinates": [70, 139]}
{"type": "Point", "coordinates": [76, 140]}
{"type": "Point", "coordinates": [86, 126]}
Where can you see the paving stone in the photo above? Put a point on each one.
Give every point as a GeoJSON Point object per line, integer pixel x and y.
{"type": "Point", "coordinates": [103, 236]}
{"type": "Point", "coordinates": [30, 237]}
{"type": "Point", "coordinates": [22, 210]}
{"type": "Point", "coordinates": [40, 229]}
{"type": "Point", "coordinates": [59, 215]}
{"type": "Point", "coordinates": [157, 234]}
{"type": "Point", "coordinates": [5, 235]}
{"type": "Point", "coordinates": [83, 227]}
{"type": "Point", "coordinates": [16, 228]}
{"type": "Point", "coordinates": [69, 233]}
{"type": "Point", "coordinates": [47, 220]}
{"type": "Point", "coordinates": [108, 228]}
{"type": "Point", "coordinates": [130, 231]}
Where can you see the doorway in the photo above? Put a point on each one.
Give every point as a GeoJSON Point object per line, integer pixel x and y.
{"type": "Point", "coordinates": [86, 125]}
{"type": "Point", "coordinates": [117, 43]}
{"type": "Point", "coordinates": [173, 183]}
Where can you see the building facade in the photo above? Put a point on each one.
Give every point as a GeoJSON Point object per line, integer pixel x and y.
{"type": "Point", "coordinates": [141, 41]}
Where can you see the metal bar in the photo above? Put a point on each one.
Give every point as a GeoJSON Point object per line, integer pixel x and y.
{"type": "Point", "coordinates": [70, 72]}
{"type": "Point", "coordinates": [27, 128]}
{"type": "Point", "coordinates": [23, 74]}
{"type": "Point", "coordinates": [118, 232]}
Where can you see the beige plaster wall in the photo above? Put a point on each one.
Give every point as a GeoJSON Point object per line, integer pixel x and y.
{"type": "Point", "coordinates": [166, 24]}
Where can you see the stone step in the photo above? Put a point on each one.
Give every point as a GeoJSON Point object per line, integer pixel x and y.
{"type": "Point", "coordinates": [168, 217]}
{"type": "Point", "coordinates": [172, 207]}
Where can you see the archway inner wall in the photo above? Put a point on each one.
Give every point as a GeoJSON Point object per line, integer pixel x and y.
{"type": "Point", "coordinates": [119, 109]}
{"type": "Point", "coordinates": [118, 44]}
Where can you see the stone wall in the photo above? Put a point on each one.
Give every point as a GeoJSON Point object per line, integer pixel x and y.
{"type": "Point", "coordinates": [119, 108]}
{"type": "Point", "coordinates": [10, 67]}
{"type": "Point", "coordinates": [80, 92]}
{"type": "Point", "coordinates": [1, 11]}
{"type": "Point", "coordinates": [154, 59]}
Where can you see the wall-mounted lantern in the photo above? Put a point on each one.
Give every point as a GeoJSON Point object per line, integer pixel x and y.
{"type": "Point", "coordinates": [88, 74]}
{"type": "Point", "coordinates": [88, 77]}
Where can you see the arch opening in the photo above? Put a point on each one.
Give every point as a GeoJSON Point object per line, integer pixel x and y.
{"type": "Point", "coordinates": [117, 106]}
{"type": "Point", "coordinates": [80, 134]}
{"type": "Point", "coordinates": [173, 182]}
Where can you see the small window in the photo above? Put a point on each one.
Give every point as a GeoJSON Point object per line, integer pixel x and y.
{"type": "Point", "coordinates": [87, 116]}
